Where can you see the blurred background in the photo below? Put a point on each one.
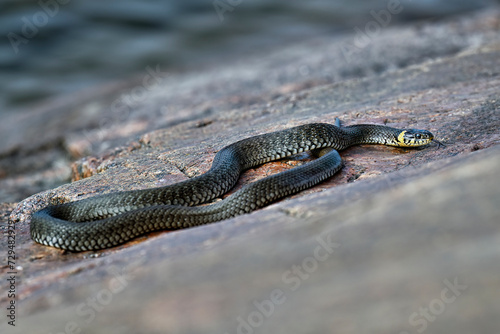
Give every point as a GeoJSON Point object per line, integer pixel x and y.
{"type": "Point", "coordinates": [56, 47]}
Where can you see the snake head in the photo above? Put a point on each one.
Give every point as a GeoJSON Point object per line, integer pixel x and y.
{"type": "Point", "coordinates": [414, 137]}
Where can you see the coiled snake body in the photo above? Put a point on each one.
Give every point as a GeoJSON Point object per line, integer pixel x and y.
{"type": "Point", "coordinates": [109, 220]}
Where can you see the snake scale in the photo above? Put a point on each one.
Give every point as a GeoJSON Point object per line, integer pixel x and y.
{"type": "Point", "coordinates": [108, 220]}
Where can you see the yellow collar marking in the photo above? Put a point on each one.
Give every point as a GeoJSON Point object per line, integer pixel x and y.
{"type": "Point", "coordinates": [401, 140]}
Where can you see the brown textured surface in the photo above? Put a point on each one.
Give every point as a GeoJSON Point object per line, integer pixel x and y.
{"type": "Point", "coordinates": [405, 220]}
{"type": "Point", "coordinates": [272, 86]}
{"type": "Point", "coordinates": [394, 250]}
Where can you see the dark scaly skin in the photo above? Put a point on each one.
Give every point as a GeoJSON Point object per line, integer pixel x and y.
{"type": "Point", "coordinates": [112, 219]}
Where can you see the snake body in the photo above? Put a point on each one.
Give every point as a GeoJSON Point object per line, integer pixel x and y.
{"type": "Point", "coordinates": [108, 220]}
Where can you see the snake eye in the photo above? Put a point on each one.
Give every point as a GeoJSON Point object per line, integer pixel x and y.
{"type": "Point", "coordinates": [418, 136]}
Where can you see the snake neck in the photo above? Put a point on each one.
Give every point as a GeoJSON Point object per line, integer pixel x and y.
{"type": "Point", "coordinates": [371, 134]}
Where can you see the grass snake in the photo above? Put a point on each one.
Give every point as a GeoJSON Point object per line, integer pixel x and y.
{"type": "Point", "coordinates": [108, 220]}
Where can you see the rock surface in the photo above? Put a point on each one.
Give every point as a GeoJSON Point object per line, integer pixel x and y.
{"type": "Point", "coordinates": [400, 241]}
